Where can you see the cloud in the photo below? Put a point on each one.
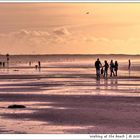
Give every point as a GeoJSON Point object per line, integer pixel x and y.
{"type": "Point", "coordinates": [28, 33]}
{"type": "Point", "coordinates": [36, 36]}
{"type": "Point", "coordinates": [29, 40]}
{"type": "Point", "coordinates": [114, 45]}
{"type": "Point", "coordinates": [61, 31]}
{"type": "Point", "coordinates": [96, 39]}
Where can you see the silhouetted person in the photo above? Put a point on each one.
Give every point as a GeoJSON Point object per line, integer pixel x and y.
{"type": "Point", "coordinates": [98, 66]}
{"type": "Point", "coordinates": [7, 57]}
{"type": "Point", "coordinates": [0, 64]}
{"type": "Point", "coordinates": [102, 70]}
{"type": "Point", "coordinates": [36, 66]}
{"type": "Point", "coordinates": [30, 63]}
{"type": "Point", "coordinates": [106, 66]}
{"type": "Point", "coordinates": [116, 68]}
{"type": "Point", "coordinates": [112, 68]}
{"type": "Point", "coordinates": [3, 64]}
{"type": "Point", "coordinates": [39, 64]}
{"type": "Point", "coordinates": [129, 64]}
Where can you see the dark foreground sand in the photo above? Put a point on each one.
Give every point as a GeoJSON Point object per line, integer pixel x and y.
{"type": "Point", "coordinates": [63, 106]}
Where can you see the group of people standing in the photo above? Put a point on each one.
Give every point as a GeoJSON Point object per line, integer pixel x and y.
{"type": "Point", "coordinates": [103, 69]}
{"type": "Point", "coordinates": [6, 62]}
{"type": "Point", "coordinates": [2, 64]}
{"type": "Point", "coordinates": [38, 66]}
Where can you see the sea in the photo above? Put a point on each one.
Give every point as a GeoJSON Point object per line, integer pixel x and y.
{"type": "Point", "coordinates": [25, 64]}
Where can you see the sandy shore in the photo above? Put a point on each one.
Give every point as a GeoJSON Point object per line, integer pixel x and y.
{"type": "Point", "coordinates": [36, 76]}
{"type": "Point", "coordinates": [67, 103]}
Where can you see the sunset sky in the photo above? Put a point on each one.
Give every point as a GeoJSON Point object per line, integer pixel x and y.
{"type": "Point", "coordinates": [66, 28]}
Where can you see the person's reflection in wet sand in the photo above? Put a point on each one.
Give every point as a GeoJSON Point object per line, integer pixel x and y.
{"type": "Point", "coordinates": [98, 84]}
{"type": "Point", "coordinates": [106, 83]}
{"type": "Point", "coordinates": [114, 83]}
{"type": "Point", "coordinates": [111, 83]}
{"type": "Point", "coordinates": [129, 72]}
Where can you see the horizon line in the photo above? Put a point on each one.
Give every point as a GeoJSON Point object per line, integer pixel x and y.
{"type": "Point", "coordinates": [73, 54]}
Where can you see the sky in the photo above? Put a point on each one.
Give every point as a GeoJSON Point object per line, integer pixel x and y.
{"type": "Point", "coordinates": [70, 28]}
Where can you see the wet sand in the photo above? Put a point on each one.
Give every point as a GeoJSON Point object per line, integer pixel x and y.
{"type": "Point", "coordinates": [69, 103]}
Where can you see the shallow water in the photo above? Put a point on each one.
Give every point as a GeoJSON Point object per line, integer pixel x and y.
{"type": "Point", "coordinates": [67, 64]}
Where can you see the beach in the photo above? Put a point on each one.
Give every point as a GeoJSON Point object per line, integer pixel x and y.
{"type": "Point", "coordinates": [70, 68]}
{"type": "Point", "coordinates": [66, 98]}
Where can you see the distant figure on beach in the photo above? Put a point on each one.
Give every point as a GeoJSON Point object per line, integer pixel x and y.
{"type": "Point", "coordinates": [129, 64]}
{"type": "Point", "coordinates": [30, 63]}
{"type": "Point", "coordinates": [7, 57]}
{"type": "Point", "coordinates": [0, 64]}
{"type": "Point", "coordinates": [112, 68]}
{"type": "Point", "coordinates": [39, 64]}
{"type": "Point", "coordinates": [36, 66]}
{"type": "Point", "coordinates": [106, 66]}
{"type": "Point", "coordinates": [3, 64]}
{"type": "Point", "coordinates": [116, 68]}
{"type": "Point", "coordinates": [98, 65]}
{"type": "Point", "coordinates": [102, 70]}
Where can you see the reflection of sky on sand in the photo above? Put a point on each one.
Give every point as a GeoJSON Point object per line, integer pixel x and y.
{"type": "Point", "coordinates": [66, 71]}
{"type": "Point", "coordinates": [26, 125]}
{"type": "Point", "coordinates": [34, 127]}
{"type": "Point", "coordinates": [72, 86]}
{"type": "Point", "coordinates": [49, 92]}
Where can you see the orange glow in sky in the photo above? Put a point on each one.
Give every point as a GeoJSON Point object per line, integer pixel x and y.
{"type": "Point", "coordinates": [70, 28]}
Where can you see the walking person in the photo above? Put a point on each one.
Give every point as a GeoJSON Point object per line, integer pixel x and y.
{"type": "Point", "coordinates": [129, 64]}
{"type": "Point", "coordinates": [30, 63]}
{"type": "Point", "coordinates": [112, 69]}
{"type": "Point", "coordinates": [102, 70]}
{"type": "Point", "coordinates": [98, 65]}
{"type": "Point", "coordinates": [106, 66]}
{"type": "Point", "coordinates": [0, 64]}
{"type": "Point", "coordinates": [7, 58]}
{"type": "Point", "coordinates": [116, 68]}
{"type": "Point", "coordinates": [3, 64]}
{"type": "Point", "coordinates": [39, 64]}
